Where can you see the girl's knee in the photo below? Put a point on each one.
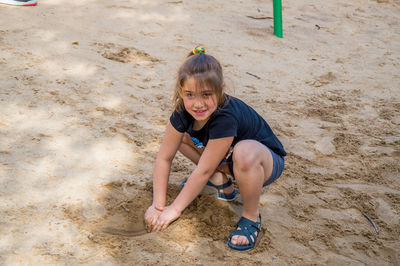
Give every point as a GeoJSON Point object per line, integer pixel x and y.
{"type": "Point", "coordinates": [187, 146]}
{"type": "Point", "coordinates": [244, 156]}
{"type": "Point", "coordinates": [187, 139]}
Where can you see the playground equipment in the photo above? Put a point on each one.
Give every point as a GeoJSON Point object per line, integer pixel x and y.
{"type": "Point", "coordinates": [278, 18]}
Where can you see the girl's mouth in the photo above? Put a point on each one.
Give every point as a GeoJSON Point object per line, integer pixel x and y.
{"type": "Point", "coordinates": [200, 112]}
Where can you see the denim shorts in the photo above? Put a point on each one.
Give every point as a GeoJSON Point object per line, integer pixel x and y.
{"type": "Point", "coordinates": [277, 169]}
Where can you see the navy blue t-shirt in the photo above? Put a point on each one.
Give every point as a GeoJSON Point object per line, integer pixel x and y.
{"type": "Point", "coordinates": [234, 119]}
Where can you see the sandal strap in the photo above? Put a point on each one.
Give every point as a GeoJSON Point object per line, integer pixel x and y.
{"type": "Point", "coordinates": [227, 184]}
{"type": "Point", "coordinates": [247, 223]}
{"type": "Point", "coordinates": [246, 233]}
{"type": "Point", "coordinates": [221, 195]}
{"type": "Point", "coordinates": [228, 197]}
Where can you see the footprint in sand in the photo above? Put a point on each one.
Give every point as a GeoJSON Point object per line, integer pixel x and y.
{"type": "Point", "coordinates": [123, 54]}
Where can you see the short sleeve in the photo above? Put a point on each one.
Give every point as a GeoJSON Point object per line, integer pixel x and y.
{"type": "Point", "coordinates": [222, 126]}
{"type": "Point", "coordinates": [180, 121]}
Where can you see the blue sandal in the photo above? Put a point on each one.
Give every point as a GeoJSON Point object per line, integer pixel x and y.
{"type": "Point", "coordinates": [248, 228]}
{"type": "Point", "coordinates": [220, 195]}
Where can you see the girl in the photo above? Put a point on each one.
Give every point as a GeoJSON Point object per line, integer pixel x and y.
{"type": "Point", "coordinates": [223, 136]}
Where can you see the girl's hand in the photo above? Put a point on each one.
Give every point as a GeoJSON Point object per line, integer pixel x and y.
{"type": "Point", "coordinates": [168, 215]}
{"type": "Point", "coordinates": [150, 217]}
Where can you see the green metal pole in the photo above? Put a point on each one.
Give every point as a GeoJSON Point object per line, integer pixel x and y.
{"type": "Point", "coordinates": [278, 18]}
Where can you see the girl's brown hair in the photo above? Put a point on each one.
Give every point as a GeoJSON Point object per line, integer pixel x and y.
{"type": "Point", "coordinates": [207, 72]}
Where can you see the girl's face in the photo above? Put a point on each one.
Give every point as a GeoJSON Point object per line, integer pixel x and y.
{"type": "Point", "coordinates": [199, 103]}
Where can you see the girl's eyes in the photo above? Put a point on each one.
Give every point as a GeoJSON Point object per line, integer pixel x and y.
{"type": "Point", "coordinates": [191, 95]}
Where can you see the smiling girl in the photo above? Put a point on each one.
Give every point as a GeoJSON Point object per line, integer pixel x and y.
{"type": "Point", "coordinates": [223, 136]}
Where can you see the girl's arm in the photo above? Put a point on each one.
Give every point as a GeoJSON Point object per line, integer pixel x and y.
{"type": "Point", "coordinates": [209, 161]}
{"type": "Point", "coordinates": [169, 146]}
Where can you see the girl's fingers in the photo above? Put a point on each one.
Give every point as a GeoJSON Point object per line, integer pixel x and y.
{"type": "Point", "coordinates": [150, 226]}
{"type": "Point", "coordinates": [162, 222]}
{"type": "Point", "coordinates": [159, 226]}
{"type": "Point", "coordinates": [164, 227]}
{"type": "Point", "coordinates": [155, 227]}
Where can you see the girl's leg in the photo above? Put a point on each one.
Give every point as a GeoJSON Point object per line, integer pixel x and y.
{"type": "Point", "coordinates": [192, 152]}
{"type": "Point", "coordinates": [252, 166]}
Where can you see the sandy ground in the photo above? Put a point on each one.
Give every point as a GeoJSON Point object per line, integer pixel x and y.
{"type": "Point", "coordinates": [85, 94]}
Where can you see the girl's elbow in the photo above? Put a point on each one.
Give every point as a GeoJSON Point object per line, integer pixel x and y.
{"type": "Point", "coordinates": [162, 157]}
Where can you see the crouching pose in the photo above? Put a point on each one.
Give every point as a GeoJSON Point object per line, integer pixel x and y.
{"type": "Point", "coordinates": [224, 137]}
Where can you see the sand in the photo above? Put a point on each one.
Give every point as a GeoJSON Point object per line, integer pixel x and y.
{"type": "Point", "coordinates": [85, 94]}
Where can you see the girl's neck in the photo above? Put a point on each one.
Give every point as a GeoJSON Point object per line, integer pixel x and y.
{"type": "Point", "coordinates": [197, 125]}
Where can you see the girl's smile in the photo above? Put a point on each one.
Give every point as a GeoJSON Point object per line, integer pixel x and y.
{"type": "Point", "coordinates": [200, 112]}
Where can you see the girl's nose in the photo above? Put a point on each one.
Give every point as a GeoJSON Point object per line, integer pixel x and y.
{"type": "Point", "coordinates": [198, 103]}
